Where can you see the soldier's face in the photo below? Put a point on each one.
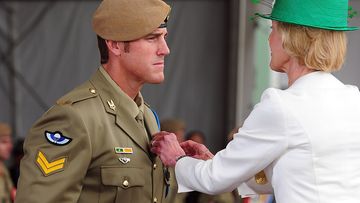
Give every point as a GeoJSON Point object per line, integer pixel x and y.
{"type": "Point", "coordinates": [144, 61]}
{"type": "Point", "coordinates": [6, 147]}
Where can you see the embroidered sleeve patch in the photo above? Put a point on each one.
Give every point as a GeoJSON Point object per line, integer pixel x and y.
{"type": "Point", "coordinates": [57, 138]}
{"type": "Point", "coordinates": [49, 167]}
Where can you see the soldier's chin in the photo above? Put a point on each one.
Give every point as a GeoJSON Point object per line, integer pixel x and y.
{"type": "Point", "coordinates": [158, 80]}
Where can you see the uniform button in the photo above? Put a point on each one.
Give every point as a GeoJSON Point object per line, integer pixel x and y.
{"type": "Point", "coordinates": [126, 183]}
{"type": "Point", "coordinates": [92, 91]}
{"type": "Point", "coordinates": [154, 166]}
{"type": "Point", "coordinates": [155, 200]}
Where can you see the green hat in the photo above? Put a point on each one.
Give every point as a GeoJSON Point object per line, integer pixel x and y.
{"type": "Point", "coordinates": [324, 14]}
{"type": "Point", "coordinates": [126, 20]}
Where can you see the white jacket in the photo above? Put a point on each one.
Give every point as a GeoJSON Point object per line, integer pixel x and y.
{"type": "Point", "coordinates": [307, 138]}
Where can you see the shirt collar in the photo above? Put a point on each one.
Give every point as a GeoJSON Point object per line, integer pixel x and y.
{"type": "Point", "coordinates": [131, 106]}
{"type": "Point", "coordinates": [316, 79]}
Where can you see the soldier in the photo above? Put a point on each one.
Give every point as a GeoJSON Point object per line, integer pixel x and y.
{"type": "Point", "coordinates": [7, 190]}
{"type": "Point", "coordinates": [93, 145]}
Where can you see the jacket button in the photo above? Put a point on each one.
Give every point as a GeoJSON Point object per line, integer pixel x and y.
{"type": "Point", "coordinates": [155, 200]}
{"type": "Point", "coordinates": [154, 166]}
{"type": "Point", "coordinates": [92, 91]}
{"type": "Point", "coordinates": [125, 183]}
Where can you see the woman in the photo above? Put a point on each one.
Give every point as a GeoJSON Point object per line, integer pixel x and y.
{"type": "Point", "coordinates": [305, 138]}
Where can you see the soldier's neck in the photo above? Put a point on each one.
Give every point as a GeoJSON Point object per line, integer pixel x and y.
{"type": "Point", "coordinates": [125, 81]}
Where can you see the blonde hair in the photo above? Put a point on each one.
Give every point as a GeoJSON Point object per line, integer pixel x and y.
{"type": "Point", "coordinates": [318, 49]}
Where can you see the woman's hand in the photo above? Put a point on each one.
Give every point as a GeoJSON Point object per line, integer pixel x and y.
{"type": "Point", "coordinates": [196, 150]}
{"type": "Point", "coordinates": [166, 146]}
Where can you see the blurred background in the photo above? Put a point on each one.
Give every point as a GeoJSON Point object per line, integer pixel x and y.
{"type": "Point", "coordinates": [215, 74]}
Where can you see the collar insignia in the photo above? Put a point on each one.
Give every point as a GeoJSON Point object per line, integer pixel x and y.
{"type": "Point", "coordinates": [111, 105]}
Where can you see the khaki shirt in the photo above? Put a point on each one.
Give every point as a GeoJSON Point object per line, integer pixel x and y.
{"type": "Point", "coordinates": [6, 185]}
{"type": "Point", "coordinates": [90, 148]}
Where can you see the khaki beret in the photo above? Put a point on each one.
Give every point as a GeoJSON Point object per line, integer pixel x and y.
{"type": "Point", "coordinates": [126, 20]}
{"type": "Point", "coordinates": [5, 130]}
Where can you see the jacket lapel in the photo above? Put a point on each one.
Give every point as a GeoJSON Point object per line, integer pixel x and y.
{"type": "Point", "coordinates": [151, 126]}
{"type": "Point", "coordinates": [150, 121]}
{"type": "Point", "coordinates": [123, 119]}
{"type": "Point", "coordinates": [132, 129]}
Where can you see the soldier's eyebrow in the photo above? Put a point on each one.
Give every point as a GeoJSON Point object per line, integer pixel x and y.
{"type": "Point", "coordinates": [151, 35]}
{"type": "Point", "coordinates": [156, 34]}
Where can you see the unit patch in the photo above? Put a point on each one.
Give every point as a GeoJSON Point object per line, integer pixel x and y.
{"type": "Point", "coordinates": [47, 167]}
{"type": "Point", "coordinates": [57, 138]}
{"type": "Point", "coordinates": [123, 150]}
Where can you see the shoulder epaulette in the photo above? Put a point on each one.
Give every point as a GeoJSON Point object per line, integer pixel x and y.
{"type": "Point", "coordinates": [81, 93]}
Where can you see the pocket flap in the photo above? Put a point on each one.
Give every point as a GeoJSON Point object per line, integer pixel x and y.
{"type": "Point", "coordinates": [122, 177]}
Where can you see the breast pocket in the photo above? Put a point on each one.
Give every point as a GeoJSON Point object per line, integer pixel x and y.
{"type": "Point", "coordinates": [127, 183]}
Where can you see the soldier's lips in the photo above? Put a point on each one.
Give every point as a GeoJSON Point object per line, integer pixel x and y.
{"type": "Point", "coordinates": [159, 64]}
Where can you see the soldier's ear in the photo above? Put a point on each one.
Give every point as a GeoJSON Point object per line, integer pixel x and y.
{"type": "Point", "coordinates": [114, 47]}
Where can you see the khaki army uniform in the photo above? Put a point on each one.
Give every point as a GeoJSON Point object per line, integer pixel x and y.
{"type": "Point", "coordinates": [6, 185]}
{"type": "Point", "coordinates": [105, 157]}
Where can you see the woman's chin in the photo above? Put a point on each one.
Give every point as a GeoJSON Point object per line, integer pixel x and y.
{"type": "Point", "coordinates": [276, 68]}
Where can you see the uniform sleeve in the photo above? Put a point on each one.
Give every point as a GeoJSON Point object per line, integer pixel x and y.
{"type": "Point", "coordinates": [257, 144]}
{"type": "Point", "coordinates": [57, 155]}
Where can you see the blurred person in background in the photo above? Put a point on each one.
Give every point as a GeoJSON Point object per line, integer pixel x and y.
{"type": "Point", "coordinates": [196, 136]}
{"type": "Point", "coordinates": [305, 138]}
{"type": "Point", "coordinates": [7, 190]}
{"type": "Point", "coordinates": [17, 155]}
{"type": "Point", "coordinates": [176, 126]}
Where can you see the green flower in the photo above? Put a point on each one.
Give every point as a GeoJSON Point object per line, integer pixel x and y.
{"type": "Point", "coordinates": [352, 13]}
